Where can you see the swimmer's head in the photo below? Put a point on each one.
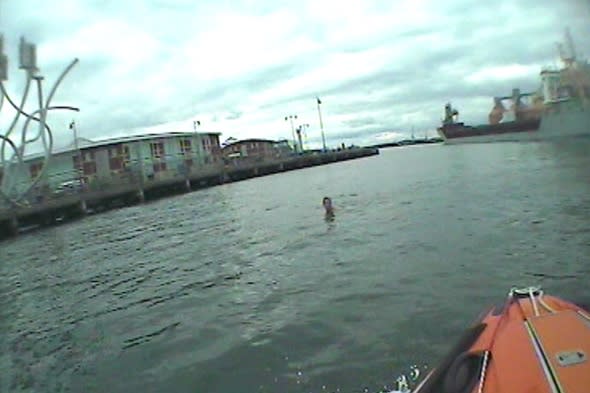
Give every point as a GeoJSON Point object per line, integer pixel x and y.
{"type": "Point", "coordinates": [327, 202]}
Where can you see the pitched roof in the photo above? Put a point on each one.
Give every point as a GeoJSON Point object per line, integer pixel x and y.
{"type": "Point", "coordinates": [85, 143]}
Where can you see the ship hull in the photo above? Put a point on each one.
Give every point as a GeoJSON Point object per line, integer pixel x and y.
{"type": "Point", "coordinates": [509, 131]}
{"type": "Point", "coordinates": [566, 119]}
{"type": "Point", "coordinates": [512, 137]}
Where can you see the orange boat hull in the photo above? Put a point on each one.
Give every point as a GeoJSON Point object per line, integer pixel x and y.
{"type": "Point", "coordinates": [535, 343]}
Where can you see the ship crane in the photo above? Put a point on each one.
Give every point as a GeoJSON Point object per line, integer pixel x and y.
{"type": "Point", "coordinates": [451, 114]}
{"type": "Point", "coordinates": [563, 55]}
{"type": "Point", "coordinates": [497, 112]}
{"type": "Point", "coordinates": [575, 78]}
{"type": "Point", "coordinates": [567, 53]}
{"type": "Point", "coordinates": [519, 109]}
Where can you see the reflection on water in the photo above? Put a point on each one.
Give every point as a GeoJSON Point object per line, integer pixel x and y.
{"type": "Point", "coordinates": [236, 288]}
{"type": "Point", "coordinates": [329, 218]}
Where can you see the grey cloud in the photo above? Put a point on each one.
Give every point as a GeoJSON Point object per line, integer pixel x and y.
{"type": "Point", "coordinates": [413, 92]}
{"type": "Point", "coordinates": [269, 77]}
{"type": "Point", "coordinates": [335, 137]}
{"type": "Point", "coordinates": [418, 79]}
{"type": "Point", "coordinates": [424, 75]}
{"type": "Point", "coordinates": [359, 122]}
{"type": "Point", "coordinates": [234, 115]}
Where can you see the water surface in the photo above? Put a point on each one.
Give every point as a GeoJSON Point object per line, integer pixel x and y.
{"type": "Point", "coordinates": [246, 288]}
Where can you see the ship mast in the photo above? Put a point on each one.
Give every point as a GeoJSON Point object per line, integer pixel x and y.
{"type": "Point", "coordinates": [570, 45]}
{"type": "Point", "coordinates": [567, 54]}
{"type": "Point", "coordinates": [575, 75]}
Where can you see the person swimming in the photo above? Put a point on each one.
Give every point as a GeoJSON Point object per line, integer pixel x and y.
{"type": "Point", "coordinates": [327, 203]}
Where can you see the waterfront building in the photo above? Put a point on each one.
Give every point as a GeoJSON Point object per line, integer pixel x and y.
{"type": "Point", "coordinates": [109, 163]}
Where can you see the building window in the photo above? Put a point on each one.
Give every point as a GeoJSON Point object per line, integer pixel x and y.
{"type": "Point", "coordinates": [185, 146]}
{"type": "Point", "coordinates": [157, 149]}
{"type": "Point", "coordinates": [214, 140]}
{"type": "Point", "coordinates": [89, 168]}
{"type": "Point", "coordinates": [116, 151]}
{"type": "Point", "coordinates": [88, 155]}
{"type": "Point", "coordinates": [87, 165]}
{"type": "Point", "coordinates": [185, 150]}
{"type": "Point", "coordinates": [118, 157]}
{"type": "Point", "coordinates": [158, 156]}
{"type": "Point", "coordinates": [159, 166]}
{"type": "Point", "coordinates": [126, 156]}
{"type": "Point", "coordinates": [116, 163]}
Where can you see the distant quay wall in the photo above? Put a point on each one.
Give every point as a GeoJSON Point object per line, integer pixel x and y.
{"type": "Point", "coordinates": [130, 190]}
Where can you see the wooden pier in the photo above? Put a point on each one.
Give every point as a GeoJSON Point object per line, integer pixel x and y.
{"type": "Point", "coordinates": [132, 190]}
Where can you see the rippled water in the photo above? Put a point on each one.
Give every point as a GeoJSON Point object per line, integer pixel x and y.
{"type": "Point", "coordinates": [246, 288]}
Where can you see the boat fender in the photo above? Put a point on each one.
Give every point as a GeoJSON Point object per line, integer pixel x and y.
{"type": "Point", "coordinates": [463, 373]}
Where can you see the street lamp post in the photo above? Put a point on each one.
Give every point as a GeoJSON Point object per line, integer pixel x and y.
{"type": "Point", "coordinates": [79, 169]}
{"type": "Point", "coordinates": [319, 102]}
{"type": "Point", "coordinates": [299, 130]}
{"type": "Point", "coordinates": [291, 117]}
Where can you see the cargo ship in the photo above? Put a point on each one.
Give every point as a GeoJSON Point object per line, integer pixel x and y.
{"type": "Point", "coordinates": [560, 107]}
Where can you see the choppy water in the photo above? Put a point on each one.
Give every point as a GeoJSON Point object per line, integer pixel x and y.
{"type": "Point", "coordinates": [246, 288]}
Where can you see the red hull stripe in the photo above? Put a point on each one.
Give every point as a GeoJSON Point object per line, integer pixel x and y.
{"type": "Point", "coordinates": [459, 130]}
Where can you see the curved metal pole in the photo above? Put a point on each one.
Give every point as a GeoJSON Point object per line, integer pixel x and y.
{"type": "Point", "coordinates": [16, 117]}
{"type": "Point", "coordinates": [15, 148]}
{"type": "Point", "coordinates": [60, 107]}
{"type": "Point", "coordinates": [42, 127]}
{"type": "Point", "coordinates": [46, 158]}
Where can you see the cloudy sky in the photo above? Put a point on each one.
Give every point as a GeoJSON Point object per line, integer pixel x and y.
{"type": "Point", "coordinates": [381, 68]}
